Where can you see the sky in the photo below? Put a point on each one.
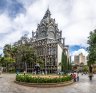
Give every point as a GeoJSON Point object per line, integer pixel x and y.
{"type": "Point", "coordinates": [76, 18]}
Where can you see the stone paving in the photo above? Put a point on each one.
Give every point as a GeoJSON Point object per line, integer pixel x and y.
{"type": "Point", "coordinates": [7, 85]}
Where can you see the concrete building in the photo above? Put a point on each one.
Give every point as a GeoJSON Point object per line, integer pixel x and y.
{"type": "Point", "coordinates": [78, 59]}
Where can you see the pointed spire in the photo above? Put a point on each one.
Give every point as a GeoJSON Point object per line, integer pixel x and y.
{"type": "Point", "coordinates": [47, 14]}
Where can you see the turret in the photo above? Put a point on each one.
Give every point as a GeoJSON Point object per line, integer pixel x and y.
{"type": "Point", "coordinates": [47, 14]}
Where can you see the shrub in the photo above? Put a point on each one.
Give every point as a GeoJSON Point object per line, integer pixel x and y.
{"type": "Point", "coordinates": [30, 79]}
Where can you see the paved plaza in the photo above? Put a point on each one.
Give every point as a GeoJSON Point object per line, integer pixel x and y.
{"type": "Point", "coordinates": [7, 85]}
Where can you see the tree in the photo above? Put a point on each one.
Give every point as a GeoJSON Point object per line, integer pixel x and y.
{"type": "Point", "coordinates": [85, 68]}
{"type": "Point", "coordinates": [92, 48]}
{"type": "Point", "coordinates": [7, 50]}
{"type": "Point", "coordinates": [64, 65]}
{"type": "Point", "coordinates": [40, 62]}
{"type": "Point", "coordinates": [25, 54]}
{"type": "Point", "coordinates": [0, 60]}
{"type": "Point", "coordinates": [8, 60]}
{"type": "Point", "coordinates": [69, 65]}
{"type": "Point", "coordinates": [22, 54]}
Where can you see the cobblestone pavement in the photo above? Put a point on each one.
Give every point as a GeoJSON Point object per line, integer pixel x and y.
{"type": "Point", "coordinates": [83, 86]}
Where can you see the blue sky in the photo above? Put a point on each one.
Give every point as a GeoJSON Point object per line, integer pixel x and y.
{"type": "Point", "coordinates": [76, 18]}
{"type": "Point", "coordinates": [11, 7]}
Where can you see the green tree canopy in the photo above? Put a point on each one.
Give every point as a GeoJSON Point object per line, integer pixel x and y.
{"type": "Point", "coordinates": [20, 52]}
{"type": "Point", "coordinates": [92, 48]}
{"type": "Point", "coordinates": [64, 65]}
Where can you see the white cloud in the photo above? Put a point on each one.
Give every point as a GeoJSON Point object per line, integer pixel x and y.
{"type": "Point", "coordinates": [80, 51]}
{"type": "Point", "coordinates": [5, 23]}
{"type": "Point", "coordinates": [1, 52]}
{"type": "Point", "coordinates": [85, 53]}
{"type": "Point", "coordinates": [77, 33]}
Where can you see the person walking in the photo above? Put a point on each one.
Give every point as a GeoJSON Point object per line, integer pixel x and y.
{"type": "Point", "coordinates": [90, 73]}
{"type": "Point", "coordinates": [24, 72]}
{"type": "Point", "coordinates": [77, 77]}
{"type": "Point", "coordinates": [74, 77]}
{"type": "Point", "coordinates": [90, 76]}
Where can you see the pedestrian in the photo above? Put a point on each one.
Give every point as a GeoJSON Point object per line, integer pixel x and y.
{"type": "Point", "coordinates": [90, 76]}
{"type": "Point", "coordinates": [74, 77]}
{"type": "Point", "coordinates": [24, 72]}
{"type": "Point", "coordinates": [17, 71]}
{"type": "Point", "coordinates": [77, 77]}
{"type": "Point", "coordinates": [71, 75]}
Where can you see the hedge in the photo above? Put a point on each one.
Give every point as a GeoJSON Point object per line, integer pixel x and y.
{"type": "Point", "coordinates": [30, 79]}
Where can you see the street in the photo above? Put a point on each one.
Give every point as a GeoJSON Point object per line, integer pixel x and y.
{"type": "Point", "coordinates": [7, 85]}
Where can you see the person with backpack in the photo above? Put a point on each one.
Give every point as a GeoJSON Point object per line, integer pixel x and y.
{"type": "Point", "coordinates": [74, 77]}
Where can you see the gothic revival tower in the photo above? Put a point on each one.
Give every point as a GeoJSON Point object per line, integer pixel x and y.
{"type": "Point", "coordinates": [48, 43]}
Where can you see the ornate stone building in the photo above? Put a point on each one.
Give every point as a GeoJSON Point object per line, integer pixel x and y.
{"type": "Point", "coordinates": [48, 42]}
